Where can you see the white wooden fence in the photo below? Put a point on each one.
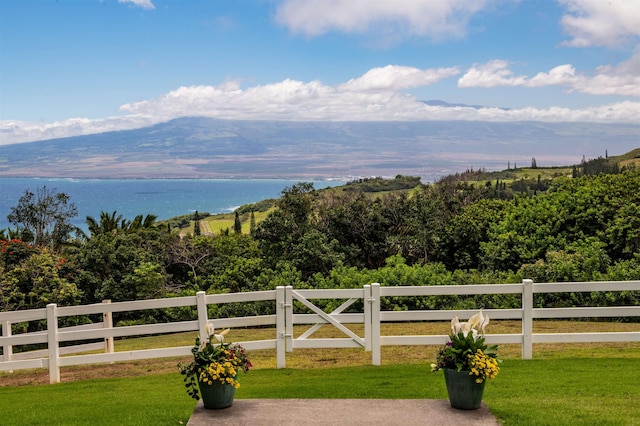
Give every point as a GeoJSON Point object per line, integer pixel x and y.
{"type": "Point", "coordinates": [284, 319]}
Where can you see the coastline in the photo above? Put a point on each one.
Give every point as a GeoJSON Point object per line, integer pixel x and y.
{"type": "Point", "coordinates": [165, 198]}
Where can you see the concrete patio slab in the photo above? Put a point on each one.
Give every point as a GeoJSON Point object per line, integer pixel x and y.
{"type": "Point", "coordinates": [267, 412]}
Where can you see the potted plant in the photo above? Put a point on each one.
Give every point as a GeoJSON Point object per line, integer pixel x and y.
{"type": "Point", "coordinates": [213, 373]}
{"type": "Point", "coordinates": [467, 362]}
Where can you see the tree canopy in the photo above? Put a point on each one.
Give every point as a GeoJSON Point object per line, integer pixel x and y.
{"type": "Point", "coordinates": [43, 218]}
{"type": "Point", "coordinates": [453, 231]}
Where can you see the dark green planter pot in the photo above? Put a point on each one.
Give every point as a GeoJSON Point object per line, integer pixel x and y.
{"type": "Point", "coordinates": [464, 392]}
{"type": "Point", "coordinates": [217, 395]}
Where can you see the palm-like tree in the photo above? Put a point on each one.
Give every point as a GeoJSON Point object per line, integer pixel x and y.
{"type": "Point", "coordinates": [139, 222]}
{"type": "Point", "coordinates": [108, 223]}
{"type": "Point", "coordinates": [112, 223]}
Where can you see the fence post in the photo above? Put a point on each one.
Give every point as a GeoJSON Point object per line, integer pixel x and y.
{"type": "Point", "coordinates": [280, 328]}
{"type": "Point", "coordinates": [7, 350]}
{"type": "Point", "coordinates": [288, 317]}
{"type": "Point", "coordinates": [375, 324]}
{"type": "Point", "coordinates": [527, 319]}
{"type": "Point", "coordinates": [201, 304]}
{"type": "Point", "coordinates": [52, 343]}
{"type": "Point", "coordinates": [107, 322]}
{"type": "Point", "coordinates": [366, 301]}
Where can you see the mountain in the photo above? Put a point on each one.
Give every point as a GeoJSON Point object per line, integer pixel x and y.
{"type": "Point", "coordinates": [211, 148]}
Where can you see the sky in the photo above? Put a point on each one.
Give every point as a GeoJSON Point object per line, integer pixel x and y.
{"type": "Point", "coordinates": [75, 67]}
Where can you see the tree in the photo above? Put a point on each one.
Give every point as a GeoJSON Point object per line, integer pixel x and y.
{"type": "Point", "coordinates": [196, 224]}
{"type": "Point", "coordinates": [44, 217]}
{"type": "Point", "coordinates": [583, 260]}
{"type": "Point", "coordinates": [286, 226]}
{"type": "Point", "coordinates": [237, 225]}
{"type": "Point", "coordinates": [139, 222]}
{"type": "Point", "coordinates": [148, 280]}
{"type": "Point", "coordinates": [603, 207]}
{"type": "Point", "coordinates": [361, 228]}
{"type": "Point", "coordinates": [36, 281]}
{"type": "Point", "coordinates": [112, 223]}
{"type": "Point", "coordinates": [123, 265]}
{"type": "Point", "coordinates": [467, 230]}
{"type": "Point", "coordinates": [184, 252]}
{"type": "Point", "coordinates": [108, 223]}
{"type": "Point", "coordinates": [219, 254]}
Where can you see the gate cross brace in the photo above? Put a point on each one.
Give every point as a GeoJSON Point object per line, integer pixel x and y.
{"type": "Point", "coordinates": [338, 310]}
{"type": "Point", "coordinates": [329, 318]}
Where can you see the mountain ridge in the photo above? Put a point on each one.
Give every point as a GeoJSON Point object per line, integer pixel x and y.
{"type": "Point", "coordinates": [199, 147]}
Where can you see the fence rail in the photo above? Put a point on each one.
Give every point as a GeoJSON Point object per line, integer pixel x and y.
{"type": "Point", "coordinates": [286, 299]}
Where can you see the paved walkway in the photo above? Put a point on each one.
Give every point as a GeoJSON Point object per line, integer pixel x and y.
{"type": "Point", "coordinates": [267, 412]}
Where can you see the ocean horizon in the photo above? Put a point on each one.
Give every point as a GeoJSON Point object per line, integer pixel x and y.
{"type": "Point", "coordinates": [165, 198]}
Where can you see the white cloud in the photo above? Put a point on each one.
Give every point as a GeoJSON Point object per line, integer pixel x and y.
{"type": "Point", "coordinates": [621, 112]}
{"type": "Point", "coordinates": [560, 75]}
{"type": "Point", "coordinates": [394, 77]}
{"type": "Point", "coordinates": [433, 18]}
{"type": "Point", "coordinates": [587, 22]}
{"type": "Point", "coordinates": [497, 73]}
{"type": "Point", "coordinates": [601, 22]}
{"type": "Point", "coordinates": [12, 131]}
{"type": "Point", "coordinates": [622, 80]}
{"type": "Point", "coordinates": [375, 96]}
{"type": "Point", "coordinates": [376, 90]}
{"type": "Point", "coordinates": [145, 4]}
{"type": "Point", "coordinates": [492, 74]}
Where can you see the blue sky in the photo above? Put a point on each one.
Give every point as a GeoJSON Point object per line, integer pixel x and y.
{"type": "Point", "coordinates": [70, 67]}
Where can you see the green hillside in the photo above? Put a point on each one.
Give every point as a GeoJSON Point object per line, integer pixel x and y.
{"type": "Point", "coordinates": [510, 181]}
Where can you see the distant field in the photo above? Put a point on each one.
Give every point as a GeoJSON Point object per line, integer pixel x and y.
{"type": "Point", "coordinates": [219, 223]}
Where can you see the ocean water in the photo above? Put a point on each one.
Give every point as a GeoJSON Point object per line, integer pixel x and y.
{"type": "Point", "coordinates": [164, 198]}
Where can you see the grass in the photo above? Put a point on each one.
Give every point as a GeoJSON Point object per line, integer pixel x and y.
{"type": "Point", "coordinates": [577, 384]}
{"type": "Point", "coordinates": [568, 391]}
{"type": "Point", "coordinates": [148, 400]}
{"type": "Point", "coordinates": [563, 391]}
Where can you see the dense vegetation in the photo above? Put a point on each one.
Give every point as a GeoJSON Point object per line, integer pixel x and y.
{"type": "Point", "coordinates": [475, 227]}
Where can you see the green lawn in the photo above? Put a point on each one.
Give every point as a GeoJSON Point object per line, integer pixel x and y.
{"type": "Point", "coordinates": [561, 391]}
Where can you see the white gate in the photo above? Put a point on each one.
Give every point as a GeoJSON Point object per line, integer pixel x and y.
{"type": "Point", "coordinates": [370, 296]}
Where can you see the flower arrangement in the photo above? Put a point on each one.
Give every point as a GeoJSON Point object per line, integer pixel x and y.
{"type": "Point", "coordinates": [466, 350]}
{"type": "Point", "coordinates": [214, 362]}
